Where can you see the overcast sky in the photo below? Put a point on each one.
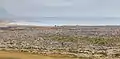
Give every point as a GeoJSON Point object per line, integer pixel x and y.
{"type": "Point", "coordinates": [63, 8]}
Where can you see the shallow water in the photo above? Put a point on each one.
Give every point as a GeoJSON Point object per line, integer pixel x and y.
{"type": "Point", "coordinates": [16, 55]}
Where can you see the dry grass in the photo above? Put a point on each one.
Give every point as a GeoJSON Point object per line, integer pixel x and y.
{"type": "Point", "coordinates": [18, 55]}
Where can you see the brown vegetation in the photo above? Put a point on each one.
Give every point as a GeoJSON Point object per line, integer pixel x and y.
{"type": "Point", "coordinates": [77, 41]}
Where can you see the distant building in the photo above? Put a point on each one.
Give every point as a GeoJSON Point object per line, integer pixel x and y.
{"type": "Point", "coordinates": [55, 25]}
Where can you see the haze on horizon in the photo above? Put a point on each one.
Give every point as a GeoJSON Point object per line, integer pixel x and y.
{"type": "Point", "coordinates": [51, 12]}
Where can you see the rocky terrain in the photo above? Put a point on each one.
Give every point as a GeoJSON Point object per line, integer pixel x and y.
{"type": "Point", "coordinates": [74, 41]}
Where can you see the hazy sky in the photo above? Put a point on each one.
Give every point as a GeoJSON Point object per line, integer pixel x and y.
{"type": "Point", "coordinates": [64, 8]}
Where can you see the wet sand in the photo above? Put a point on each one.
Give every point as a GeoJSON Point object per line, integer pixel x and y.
{"type": "Point", "coordinates": [17, 55]}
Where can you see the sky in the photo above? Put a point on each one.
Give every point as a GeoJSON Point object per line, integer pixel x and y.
{"type": "Point", "coordinates": [64, 11]}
